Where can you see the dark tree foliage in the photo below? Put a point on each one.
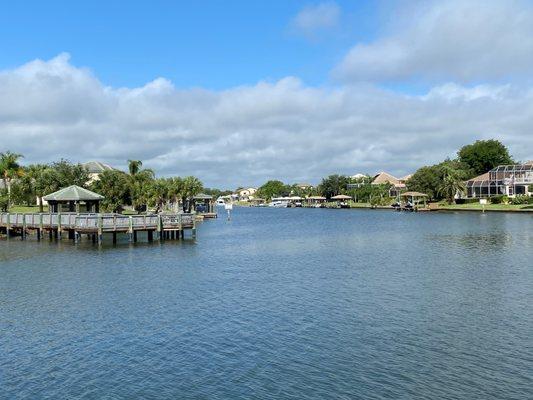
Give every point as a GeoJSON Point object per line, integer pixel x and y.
{"type": "Point", "coordinates": [66, 174]}
{"type": "Point", "coordinates": [431, 179]}
{"type": "Point", "coordinates": [483, 155]}
{"type": "Point", "coordinates": [115, 186]}
{"type": "Point", "coordinates": [273, 188]}
{"type": "Point", "coordinates": [333, 185]}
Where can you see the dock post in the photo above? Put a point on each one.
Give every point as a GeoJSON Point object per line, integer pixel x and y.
{"type": "Point", "coordinates": [8, 225]}
{"type": "Point", "coordinates": [130, 229]}
{"type": "Point", "coordinates": [134, 236]}
{"type": "Point", "coordinates": [160, 227]}
{"type": "Point", "coordinates": [23, 233]}
{"type": "Point", "coordinates": [115, 237]}
{"type": "Point", "coordinates": [194, 227]}
{"type": "Point", "coordinates": [150, 236]}
{"type": "Point", "coordinates": [76, 237]}
{"type": "Point", "coordinates": [40, 231]}
{"type": "Point", "coordinates": [100, 229]}
{"type": "Point", "coordinates": [59, 226]}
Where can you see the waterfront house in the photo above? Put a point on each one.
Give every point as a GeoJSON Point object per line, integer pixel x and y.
{"type": "Point", "coordinates": [246, 194]}
{"type": "Point", "coordinates": [95, 168]}
{"type": "Point", "coordinates": [508, 180]}
{"type": "Point", "coordinates": [397, 184]}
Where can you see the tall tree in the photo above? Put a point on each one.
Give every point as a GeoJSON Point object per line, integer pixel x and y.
{"type": "Point", "coordinates": [9, 169]}
{"type": "Point", "coordinates": [140, 183]}
{"type": "Point", "coordinates": [452, 183]}
{"type": "Point", "coordinates": [333, 185]}
{"type": "Point", "coordinates": [483, 155]}
{"type": "Point", "coordinates": [134, 166]}
{"type": "Point", "coordinates": [66, 174]}
{"type": "Point", "coordinates": [115, 187]}
{"type": "Point", "coordinates": [191, 187]}
{"type": "Point", "coordinates": [273, 188]}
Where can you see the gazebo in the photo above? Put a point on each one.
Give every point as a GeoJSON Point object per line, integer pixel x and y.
{"type": "Point", "coordinates": [204, 204]}
{"type": "Point", "coordinates": [315, 201]}
{"type": "Point", "coordinates": [415, 197]}
{"type": "Point", "coordinates": [341, 200]}
{"type": "Point", "coordinates": [71, 198]}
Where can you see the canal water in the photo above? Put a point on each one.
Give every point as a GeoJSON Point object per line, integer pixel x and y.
{"type": "Point", "coordinates": [276, 304]}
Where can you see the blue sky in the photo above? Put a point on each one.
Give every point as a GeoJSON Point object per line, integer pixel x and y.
{"type": "Point", "coordinates": [239, 92]}
{"type": "Point", "coordinates": [210, 44]}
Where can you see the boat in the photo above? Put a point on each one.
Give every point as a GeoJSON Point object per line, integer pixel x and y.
{"type": "Point", "coordinates": [278, 204]}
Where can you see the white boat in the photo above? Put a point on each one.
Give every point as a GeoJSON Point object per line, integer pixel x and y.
{"type": "Point", "coordinates": [222, 200]}
{"type": "Point", "coordinates": [278, 204]}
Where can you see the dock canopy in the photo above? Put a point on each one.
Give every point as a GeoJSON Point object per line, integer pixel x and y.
{"type": "Point", "coordinates": [415, 196]}
{"type": "Point", "coordinates": [72, 197]}
{"type": "Point", "coordinates": [203, 196]}
{"type": "Point", "coordinates": [204, 204]}
{"type": "Point", "coordinates": [341, 197]}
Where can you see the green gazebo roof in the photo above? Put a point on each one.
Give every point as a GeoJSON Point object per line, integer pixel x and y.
{"type": "Point", "coordinates": [73, 193]}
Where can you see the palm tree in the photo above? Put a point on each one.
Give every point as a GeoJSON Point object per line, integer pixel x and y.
{"type": "Point", "coordinates": [451, 184]}
{"type": "Point", "coordinates": [9, 169]}
{"type": "Point", "coordinates": [175, 191]}
{"type": "Point", "coordinates": [191, 187]}
{"type": "Point", "coordinates": [140, 180]}
{"type": "Point", "coordinates": [134, 166]}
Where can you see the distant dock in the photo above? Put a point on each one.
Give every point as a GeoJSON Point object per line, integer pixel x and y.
{"type": "Point", "coordinates": [73, 225]}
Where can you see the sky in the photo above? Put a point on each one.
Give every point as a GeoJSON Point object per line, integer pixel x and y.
{"type": "Point", "coordinates": [239, 92]}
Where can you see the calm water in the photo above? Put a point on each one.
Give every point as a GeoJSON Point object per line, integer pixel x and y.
{"type": "Point", "coordinates": [277, 304]}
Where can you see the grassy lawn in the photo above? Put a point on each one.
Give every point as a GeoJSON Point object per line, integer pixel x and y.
{"type": "Point", "coordinates": [353, 204]}
{"type": "Point", "coordinates": [488, 207]}
{"type": "Point", "coordinates": [26, 209]}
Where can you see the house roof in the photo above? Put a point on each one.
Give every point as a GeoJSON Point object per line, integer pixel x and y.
{"type": "Point", "coordinates": [413, 194]}
{"type": "Point", "coordinates": [73, 193]}
{"type": "Point", "coordinates": [202, 196]}
{"type": "Point", "coordinates": [96, 167]}
{"type": "Point", "coordinates": [480, 178]}
{"type": "Point", "coordinates": [384, 177]}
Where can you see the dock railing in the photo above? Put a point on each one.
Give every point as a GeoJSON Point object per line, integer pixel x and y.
{"type": "Point", "coordinates": [94, 222]}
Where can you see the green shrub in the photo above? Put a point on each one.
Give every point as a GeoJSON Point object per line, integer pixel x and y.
{"type": "Point", "coordinates": [467, 201]}
{"type": "Point", "coordinates": [500, 199]}
{"type": "Point", "coordinates": [4, 202]}
{"type": "Point", "coordinates": [522, 199]}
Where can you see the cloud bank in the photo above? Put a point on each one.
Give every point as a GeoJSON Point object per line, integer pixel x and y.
{"type": "Point", "coordinates": [466, 41]}
{"type": "Point", "coordinates": [245, 135]}
{"type": "Point", "coordinates": [319, 17]}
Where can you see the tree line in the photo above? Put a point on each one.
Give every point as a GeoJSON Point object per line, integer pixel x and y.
{"type": "Point", "coordinates": [439, 181]}
{"type": "Point", "coordinates": [138, 188]}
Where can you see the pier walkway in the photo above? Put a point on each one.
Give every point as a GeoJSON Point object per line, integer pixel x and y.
{"type": "Point", "coordinates": [166, 226]}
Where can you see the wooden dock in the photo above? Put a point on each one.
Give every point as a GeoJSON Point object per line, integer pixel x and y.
{"type": "Point", "coordinates": [165, 226]}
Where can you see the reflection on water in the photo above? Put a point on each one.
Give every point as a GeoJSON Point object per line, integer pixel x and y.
{"type": "Point", "coordinates": [276, 304]}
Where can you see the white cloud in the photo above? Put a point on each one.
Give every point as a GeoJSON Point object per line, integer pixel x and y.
{"type": "Point", "coordinates": [461, 40]}
{"type": "Point", "coordinates": [245, 135]}
{"type": "Point", "coordinates": [316, 18]}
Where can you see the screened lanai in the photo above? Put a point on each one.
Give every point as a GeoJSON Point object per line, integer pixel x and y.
{"type": "Point", "coordinates": [507, 180]}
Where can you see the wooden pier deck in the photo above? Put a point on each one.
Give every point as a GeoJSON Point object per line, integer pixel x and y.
{"type": "Point", "coordinates": [165, 226]}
